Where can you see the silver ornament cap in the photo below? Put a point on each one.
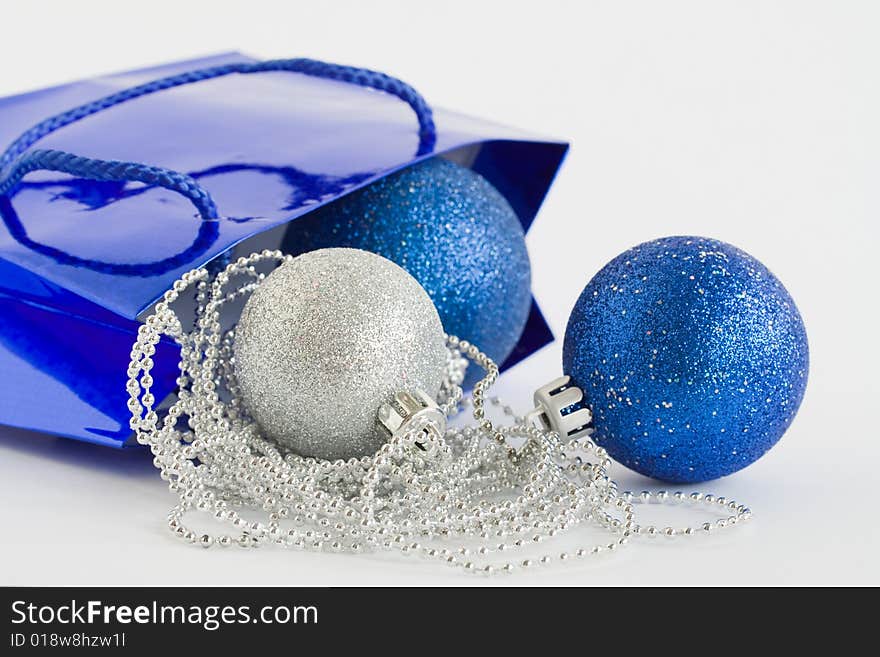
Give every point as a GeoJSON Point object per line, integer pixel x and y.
{"type": "Point", "coordinates": [558, 407]}
{"type": "Point", "coordinates": [327, 339]}
{"type": "Point", "coordinates": [407, 407]}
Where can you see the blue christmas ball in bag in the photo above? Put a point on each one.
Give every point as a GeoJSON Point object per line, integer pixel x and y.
{"type": "Point", "coordinates": [453, 232]}
{"type": "Point", "coordinates": [691, 355]}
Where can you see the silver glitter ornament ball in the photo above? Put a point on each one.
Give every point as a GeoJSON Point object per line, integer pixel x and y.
{"type": "Point", "coordinates": [325, 340]}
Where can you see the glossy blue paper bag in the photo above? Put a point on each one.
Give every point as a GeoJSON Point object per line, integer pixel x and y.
{"type": "Point", "coordinates": [81, 260]}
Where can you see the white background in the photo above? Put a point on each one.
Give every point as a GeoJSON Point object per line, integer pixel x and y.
{"type": "Point", "coordinates": [754, 122]}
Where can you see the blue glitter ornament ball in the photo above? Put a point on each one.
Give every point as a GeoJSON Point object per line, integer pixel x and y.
{"type": "Point", "coordinates": [453, 232]}
{"type": "Point", "coordinates": [692, 357]}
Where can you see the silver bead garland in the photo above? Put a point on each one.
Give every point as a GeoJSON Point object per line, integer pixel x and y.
{"type": "Point", "coordinates": [467, 498]}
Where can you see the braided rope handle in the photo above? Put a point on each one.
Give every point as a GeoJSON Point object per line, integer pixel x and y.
{"type": "Point", "coordinates": [85, 167]}
{"type": "Point", "coordinates": [16, 161]}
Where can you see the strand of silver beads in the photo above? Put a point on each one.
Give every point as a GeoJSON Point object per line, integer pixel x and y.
{"type": "Point", "coordinates": [466, 498]}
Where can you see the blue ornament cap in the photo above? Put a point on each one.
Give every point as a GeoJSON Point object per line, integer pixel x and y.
{"type": "Point", "coordinates": [691, 355]}
{"type": "Point", "coordinates": [453, 232]}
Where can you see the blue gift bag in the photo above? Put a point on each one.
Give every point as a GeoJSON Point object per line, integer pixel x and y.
{"type": "Point", "coordinates": [140, 176]}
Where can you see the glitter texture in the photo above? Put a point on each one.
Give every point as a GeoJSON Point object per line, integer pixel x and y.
{"type": "Point", "coordinates": [692, 356]}
{"type": "Point", "coordinates": [326, 339]}
{"type": "Point", "coordinates": [449, 228]}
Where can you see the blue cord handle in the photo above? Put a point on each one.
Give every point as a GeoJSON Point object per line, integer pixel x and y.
{"type": "Point", "coordinates": [16, 161]}
{"type": "Point", "coordinates": [86, 167]}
